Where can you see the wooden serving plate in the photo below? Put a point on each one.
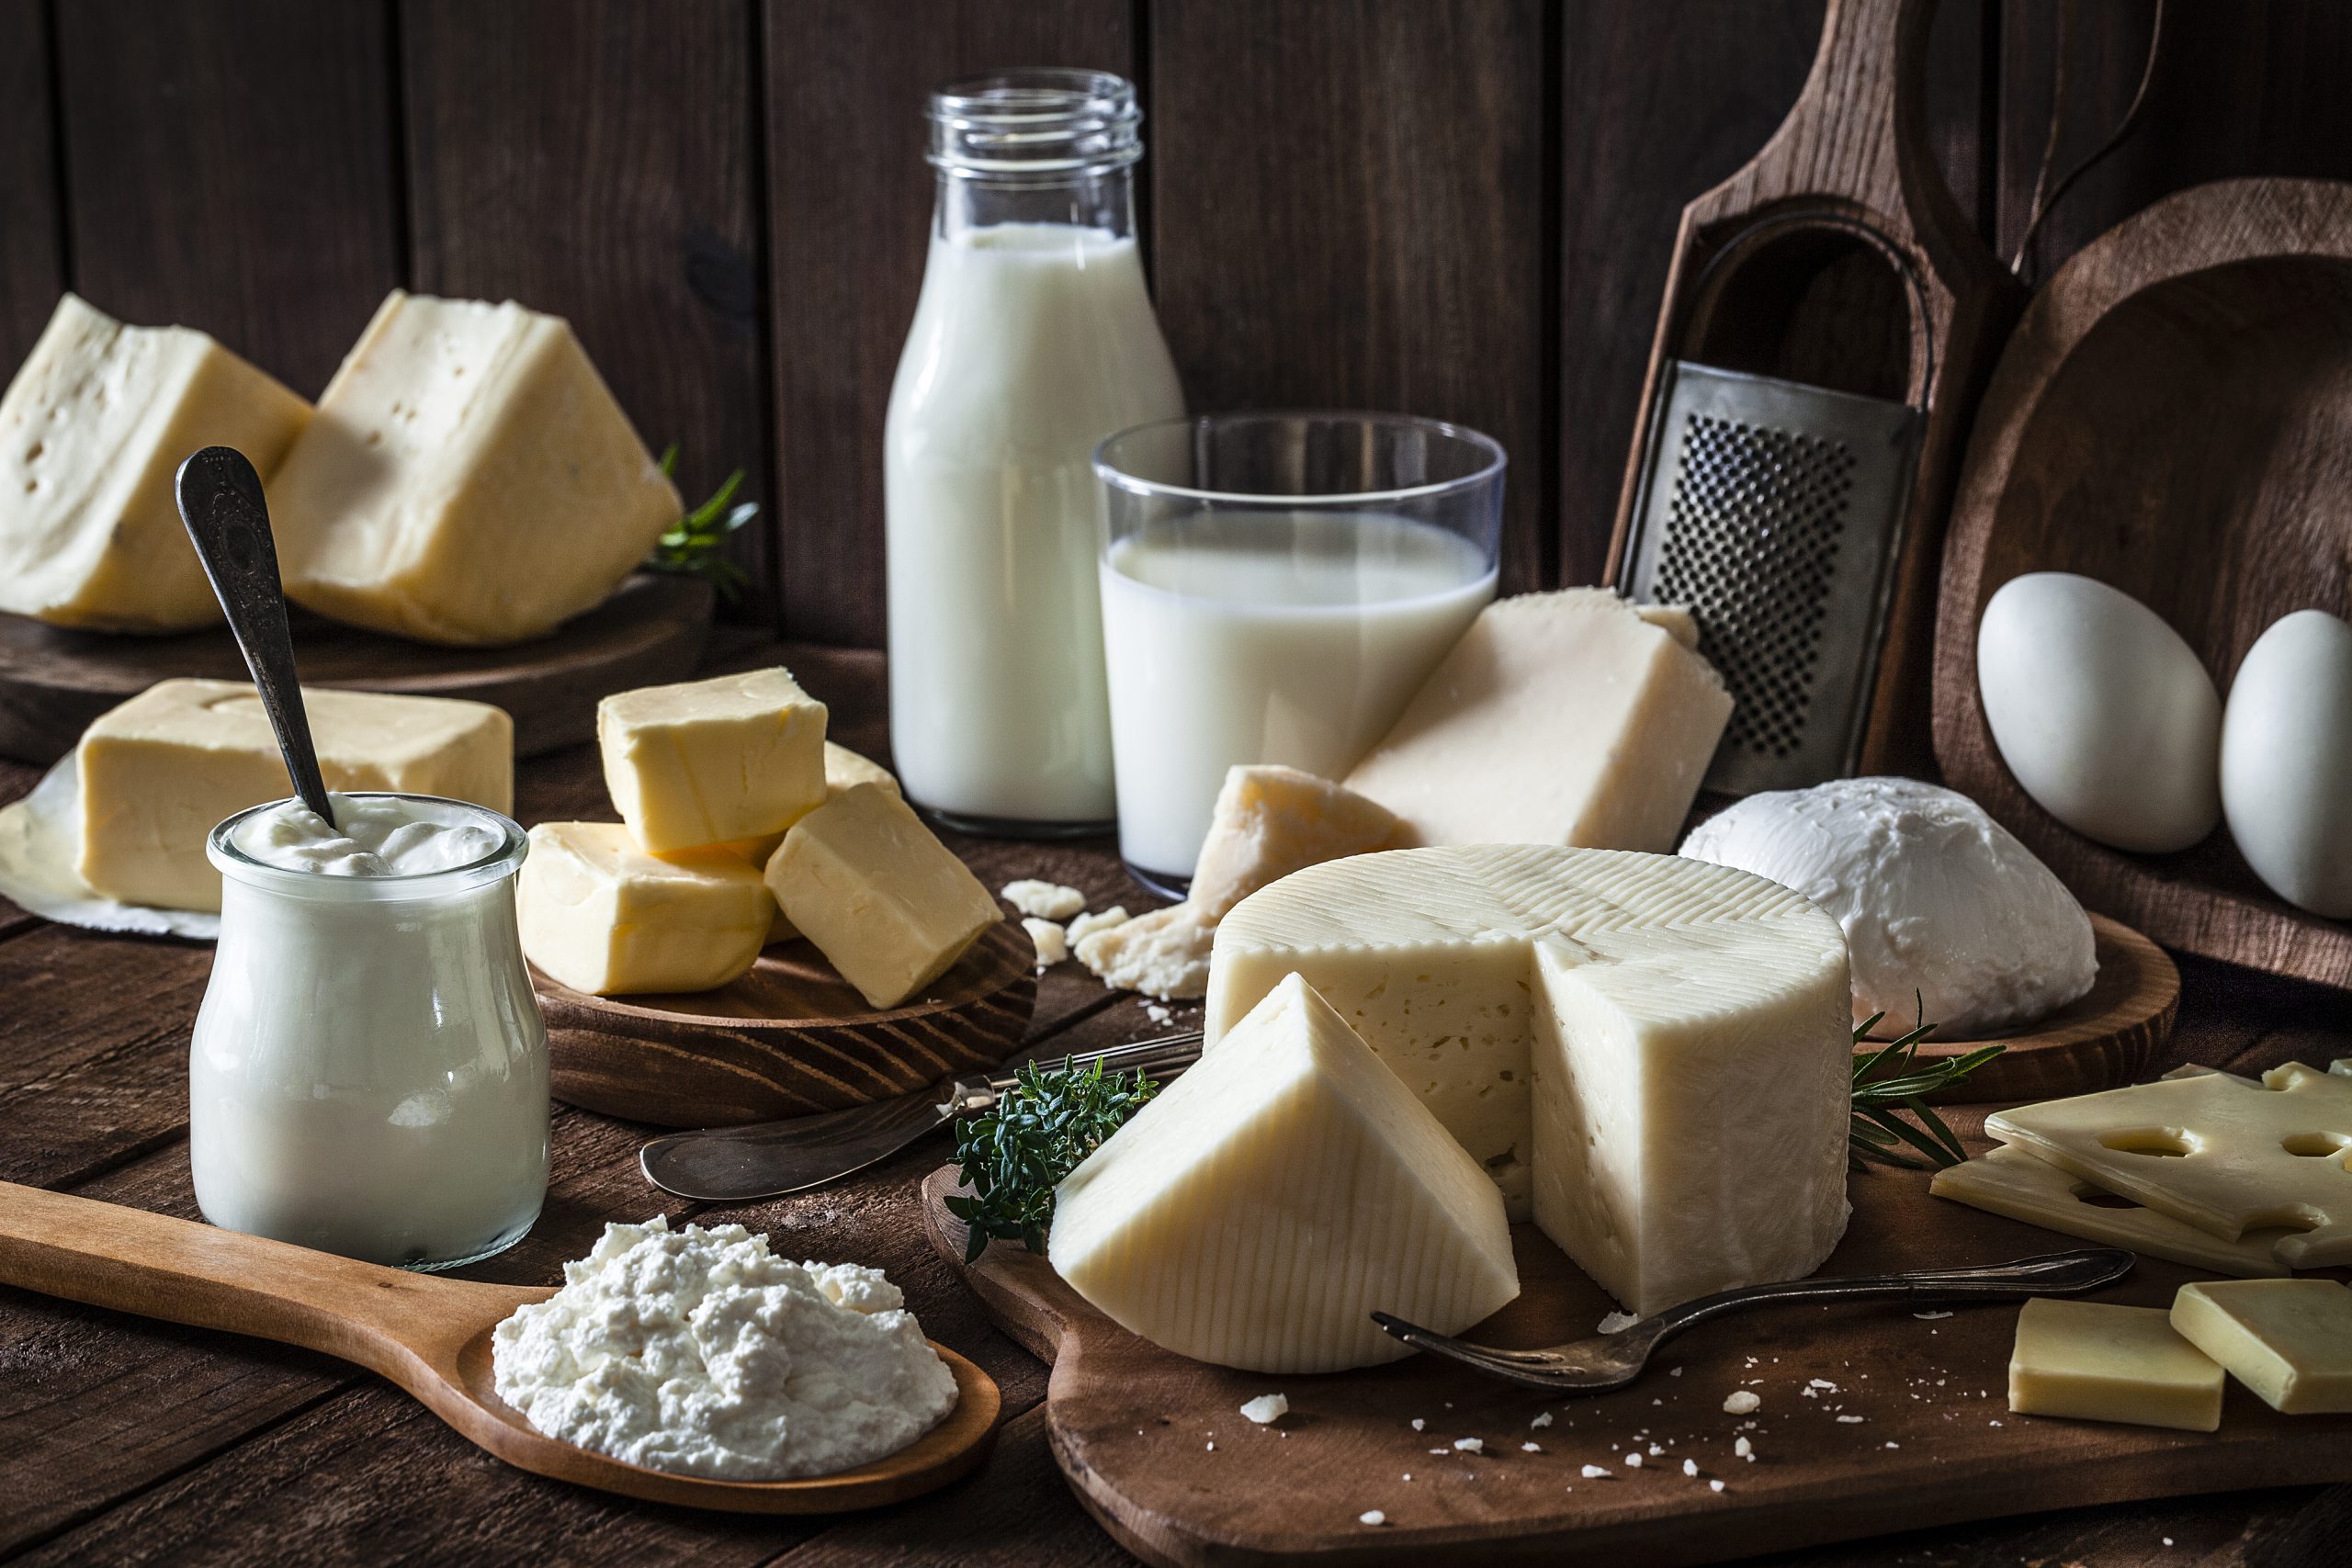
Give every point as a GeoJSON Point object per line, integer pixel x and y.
{"type": "Point", "coordinates": [789, 1039]}
{"type": "Point", "coordinates": [2172, 418]}
{"type": "Point", "coordinates": [54, 681]}
{"type": "Point", "coordinates": [1155, 1447]}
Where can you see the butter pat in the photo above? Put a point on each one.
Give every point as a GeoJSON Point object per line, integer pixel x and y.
{"type": "Point", "coordinates": [159, 771]}
{"type": "Point", "coordinates": [1270, 821]}
{"type": "Point", "coordinates": [883, 899]}
{"type": "Point", "coordinates": [468, 478]}
{"type": "Point", "coordinates": [602, 916]}
{"type": "Point", "coordinates": [2096, 1362]}
{"type": "Point", "coordinates": [711, 762]}
{"type": "Point", "coordinates": [844, 769]}
{"type": "Point", "coordinates": [2289, 1340]}
{"type": "Point", "coordinates": [92, 432]}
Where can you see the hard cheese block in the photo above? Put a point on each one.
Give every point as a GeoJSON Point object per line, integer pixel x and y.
{"type": "Point", "coordinates": [1263, 1205]}
{"type": "Point", "coordinates": [1571, 717]}
{"type": "Point", "coordinates": [1270, 821]}
{"type": "Point", "coordinates": [2009, 1181]}
{"type": "Point", "coordinates": [2096, 1362]}
{"type": "Point", "coordinates": [602, 916]}
{"type": "Point", "coordinates": [159, 771]}
{"type": "Point", "coordinates": [1651, 1055]}
{"type": "Point", "coordinates": [709, 762]}
{"type": "Point", "coordinates": [468, 479]}
{"type": "Point", "coordinates": [2289, 1340]}
{"type": "Point", "coordinates": [92, 431]}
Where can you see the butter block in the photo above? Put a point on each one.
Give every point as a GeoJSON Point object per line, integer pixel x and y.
{"type": "Point", "coordinates": [602, 916]}
{"type": "Point", "coordinates": [2289, 1340]}
{"type": "Point", "coordinates": [158, 773]}
{"type": "Point", "coordinates": [1259, 1208]}
{"type": "Point", "coordinates": [844, 769]}
{"type": "Point", "coordinates": [92, 432]}
{"type": "Point", "coordinates": [712, 761]}
{"type": "Point", "coordinates": [468, 479]}
{"type": "Point", "coordinates": [884, 900]}
{"type": "Point", "coordinates": [2096, 1362]}
{"type": "Point", "coordinates": [1271, 820]}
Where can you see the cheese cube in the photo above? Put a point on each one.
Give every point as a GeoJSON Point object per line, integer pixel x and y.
{"type": "Point", "coordinates": [602, 916]}
{"type": "Point", "coordinates": [711, 762]}
{"type": "Point", "coordinates": [1559, 718]}
{"type": "Point", "coordinates": [1270, 821]}
{"type": "Point", "coordinates": [468, 479]}
{"type": "Point", "coordinates": [884, 900]}
{"type": "Point", "coordinates": [2289, 1340]}
{"type": "Point", "coordinates": [1263, 1205]}
{"type": "Point", "coordinates": [159, 771]}
{"type": "Point", "coordinates": [93, 431]}
{"type": "Point", "coordinates": [2096, 1362]}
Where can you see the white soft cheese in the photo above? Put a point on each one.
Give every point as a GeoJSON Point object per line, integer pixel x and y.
{"type": "Point", "coordinates": [697, 1351]}
{"type": "Point", "coordinates": [1935, 897]}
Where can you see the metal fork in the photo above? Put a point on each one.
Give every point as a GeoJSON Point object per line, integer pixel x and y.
{"type": "Point", "coordinates": [1608, 1361]}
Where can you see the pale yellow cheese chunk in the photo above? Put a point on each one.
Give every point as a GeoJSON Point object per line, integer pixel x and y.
{"type": "Point", "coordinates": [2289, 1340]}
{"type": "Point", "coordinates": [468, 478]}
{"type": "Point", "coordinates": [2096, 1362]}
{"type": "Point", "coordinates": [1270, 821]}
{"type": "Point", "coordinates": [1263, 1205]}
{"type": "Point", "coordinates": [92, 432]}
{"type": "Point", "coordinates": [602, 916]}
{"type": "Point", "coordinates": [1164, 954]}
{"type": "Point", "coordinates": [2008, 1181]}
{"type": "Point", "coordinates": [884, 901]}
{"type": "Point", "coordinates": [159, 771]}
{"type": "Point", "coordinates": [844, 769]}
{"type": "Point", "coordinates": [711, 762]}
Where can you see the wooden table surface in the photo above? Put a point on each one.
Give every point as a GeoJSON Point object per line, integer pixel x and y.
{"type": "Point", "coordinates": [128, 1441]}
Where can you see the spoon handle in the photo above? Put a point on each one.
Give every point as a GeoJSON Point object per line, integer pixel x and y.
{"type": "Point", "coordinates": [221, 501]}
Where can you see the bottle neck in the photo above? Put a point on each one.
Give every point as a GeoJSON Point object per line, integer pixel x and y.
{"type": "Point", "coordinates": [1102, 200]}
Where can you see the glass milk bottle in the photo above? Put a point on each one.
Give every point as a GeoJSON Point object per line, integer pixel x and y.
{"type": "Point", "coordinates": [1033, 339]}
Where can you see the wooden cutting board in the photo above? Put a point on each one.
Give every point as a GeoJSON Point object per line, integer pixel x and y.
{"type": "Point", "coordinates": [1157, 1450]}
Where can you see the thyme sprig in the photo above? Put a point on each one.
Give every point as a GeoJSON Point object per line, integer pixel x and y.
{"type": "Point", "coordinates": [696, 544]}
{"type": "Point", "coordinates": [1891, 1079]}
{"type": "Point", "coordinates": [1013, 1155]}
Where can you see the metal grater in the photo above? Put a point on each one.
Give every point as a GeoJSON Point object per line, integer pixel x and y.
{"type": "Point", "coordinates": [1774, 510]}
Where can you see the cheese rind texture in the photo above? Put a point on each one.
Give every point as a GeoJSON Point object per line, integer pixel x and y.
{"type": "Point", "coordinates": [93, 430]}
{"type": "Point", "coordinates": [712, 761]}
{"type": "Point", "coordinates": [2096, 1362]}
{"type": "Point", "coordinates": [1651, 1056]}
{"type": "Point", "coordinates": [1270, 821]}
{"type": "Point", "coordinates": [1258, 1209]}
{"type": "Point", "coordinates": [2289, 1340]}
{"type": "Point", "coordinates": [1567, 718]}
{"type": "Point", "coordinates": [2009, 1181]}
{"type": "Point", "coordinates": [602, 916]}
{"type": "Point", "coordinates": [468, 478]}
{"type": "Point", "coordinates": [159, 771]}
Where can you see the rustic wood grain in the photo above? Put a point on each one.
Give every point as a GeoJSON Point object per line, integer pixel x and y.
{"type": "Point", "coordinates": [32, 239]}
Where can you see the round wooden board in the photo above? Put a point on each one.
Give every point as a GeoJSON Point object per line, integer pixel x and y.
{"type": "Point", "coordinates": [789, 1039]}
{"type": "Point", "coordinates": [54, 681]}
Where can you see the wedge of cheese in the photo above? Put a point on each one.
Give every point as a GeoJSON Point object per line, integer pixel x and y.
{"type": "Point", "coordinates": [158, 773]}
{"type": "Point", "coordinates": [713, 762]}
{"type": "Point", "coordinates": [1651, 1056]}
{"type": "Point", "coordinates": [1270, 821]}
{"type": "Point", "coordinates": [1572, 718]}
{"type": "Point", "coordinates": [468, 479]}
{"type": "Point", "coordinates": [92, 432]}
{"type": "Point", "coordinates": [2289, 1340]}
{"type": "Point", "coordinates": [602, 916]}
{"type": "Point", "coordinates": [1263, 1205]}
{"type": "Point", "coordinates": [2096, 1362]}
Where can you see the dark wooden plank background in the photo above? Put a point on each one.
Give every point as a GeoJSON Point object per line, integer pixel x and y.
{"type": "Point", "coordinates": [1458, 207]}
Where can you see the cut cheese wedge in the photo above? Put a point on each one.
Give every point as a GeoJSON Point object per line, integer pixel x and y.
{"type": "Point", "coordinates": [2009, 1181]}
{"type": "Point", "coordinates": [1270, 821]}
{"type": "Point", "coordinates": [1258, 1209]}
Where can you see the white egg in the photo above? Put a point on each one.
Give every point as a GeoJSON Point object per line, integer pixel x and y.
{"type": "Point", "coordinates": [2103, 712]}
{"type": "Point", "coordinates": [2286, 760]}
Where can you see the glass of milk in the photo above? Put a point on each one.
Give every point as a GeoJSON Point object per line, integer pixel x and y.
{"type": "Point", "coordinates": [1275, 586]}
{"type": "Point", "coordinates": [1032, 340]}
{"type": "Point", "coordinates": [368, 1073]}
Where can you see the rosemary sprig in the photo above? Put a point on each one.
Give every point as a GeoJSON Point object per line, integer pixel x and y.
{"type": "Point", "coordinates": [1013, 1155]}
{"type": "Point", "coordinates": [696, 544]}
{"type": "Point", "coordinates": [1891, 1079]}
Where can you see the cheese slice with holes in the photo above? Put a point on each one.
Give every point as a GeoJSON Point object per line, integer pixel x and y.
{"type": "Point", "coordinates": [1650, 1056]}
{"type": "Point", "coordinates": [2009, 1181]}
{"type": "Point", "coordinates": [1258, 1211]}
{"type": "Point", "coordinates": [2289, 1340]}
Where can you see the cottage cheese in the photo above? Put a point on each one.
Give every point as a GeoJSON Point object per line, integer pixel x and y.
{"type": "Point", "coordinates": [698, 1351]}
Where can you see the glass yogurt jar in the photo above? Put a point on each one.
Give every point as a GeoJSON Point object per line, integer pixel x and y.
{"type": "Point", "coordinates": [368, 1073]}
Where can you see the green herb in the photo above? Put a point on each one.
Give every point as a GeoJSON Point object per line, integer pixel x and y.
{"type": "Point", "coordinates": [1013, 1155]}
{"type": "Point", "coordinates": [1891, 1079]}
{"type": "Point", "coordinates": [696, 544]}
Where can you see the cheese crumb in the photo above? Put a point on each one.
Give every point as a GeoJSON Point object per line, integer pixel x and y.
{"type": "Point", "coordinates": [1542, 1418]}
{"type": "Point", "coordinates": [1470, 1445]}
{"type": "Point", "coordinates": [1822, 1382]}
{"type": "Point", "coordinates": [1100, 920]}
{"type": "Point", "coordinates": [1741, 1402]}
{"type": "Point", "coordinates": [1850, 1420]}
{"type": "Point", "coordinates": [1373, 1516]}
{"type": "Point", "coordinates": [1594, 1473]}
{"type": "Point", "coordinates": [1530, 1448]}
{"type": "Point", "coordinates": [1634, 1461]}
{"type": "Point", "coordinates": [1043, 900]}
{"type": "Point", "coordinates": [1212, 1448]}
{"type": "Point", "coordinates": [1052, 943]}
{"type": "Point", "coordinates": [1267, 1407]}
{"type": "Point", "coordinates": [1744, 1449]}
{"type": "Point", "coordinates": [1714, 1485]}
{"type": "Point", "coordinates": [1418, 1424]}
{"type": "Point", "coordinates": [1690, 1467]}
{"type": "Point", "coordinates": [1618, 1322]}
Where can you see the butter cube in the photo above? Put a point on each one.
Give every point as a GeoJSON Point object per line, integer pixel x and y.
{"type": "Point", "coordinates": [602, 916]}
{"type": "Point", "coordinates": [711, 762]}
{"type": "Point", "coordinates": [880, 895]}
{"type": "Point", "coordinates": [468, 478]}
{"type": "Point", "coordinates": [844, 769]}
{"type": "Point", "coordinates": [92, 431]}
{"type": "Point", "coordinates": [2289, 1340]}
{"type": "Point", "coordinates": [1270, 821]}
{"type": "Point", "coordinates": [2096, 1362]}
{"type": "Point", "coordinates": [158, 773]}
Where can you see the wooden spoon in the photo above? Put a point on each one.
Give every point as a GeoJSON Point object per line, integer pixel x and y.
{"type": "Point", "coordinates": [430, 1336]}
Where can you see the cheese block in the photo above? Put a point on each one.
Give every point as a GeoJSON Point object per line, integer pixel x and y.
{"type": "Point", "coordinates": [2097, 1362]}
{"type": "Point", "coordinates": [93, 431]}
{"type": "Point", "coordinates": [709, 762]}
{"type": "Point", "coordinates": [1651, 1056]}
{"type": "Point", "coordinates": [1270, 821]}
{"type": "Point", "coordinates": [844, 769]}
{"type": "Point", "coordinates": [2008, 1181]}
{"type": "Point", "coordinates": [602, 916]}
{"type": "Point", "coordinates": [1263, 1205]}
{"type": "Point", "coordinates": [884, 900]}
{"type": "Point", "coordinates": [2289, 1340]}
{"type": "Point", "coordinates": [1570, 717]}
{"type": "Point", "coordinates": [468, 479]}
{"type": "Point", "coordinates": [1164, 954]}
{"type": "Point", "coordinates": [157, 773]}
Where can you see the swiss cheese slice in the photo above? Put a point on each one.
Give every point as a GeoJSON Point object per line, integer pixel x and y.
{"type": "Point", "coordinates": [602, 916]}
{"type": "Point", "coordinates": [2009, 1181]}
